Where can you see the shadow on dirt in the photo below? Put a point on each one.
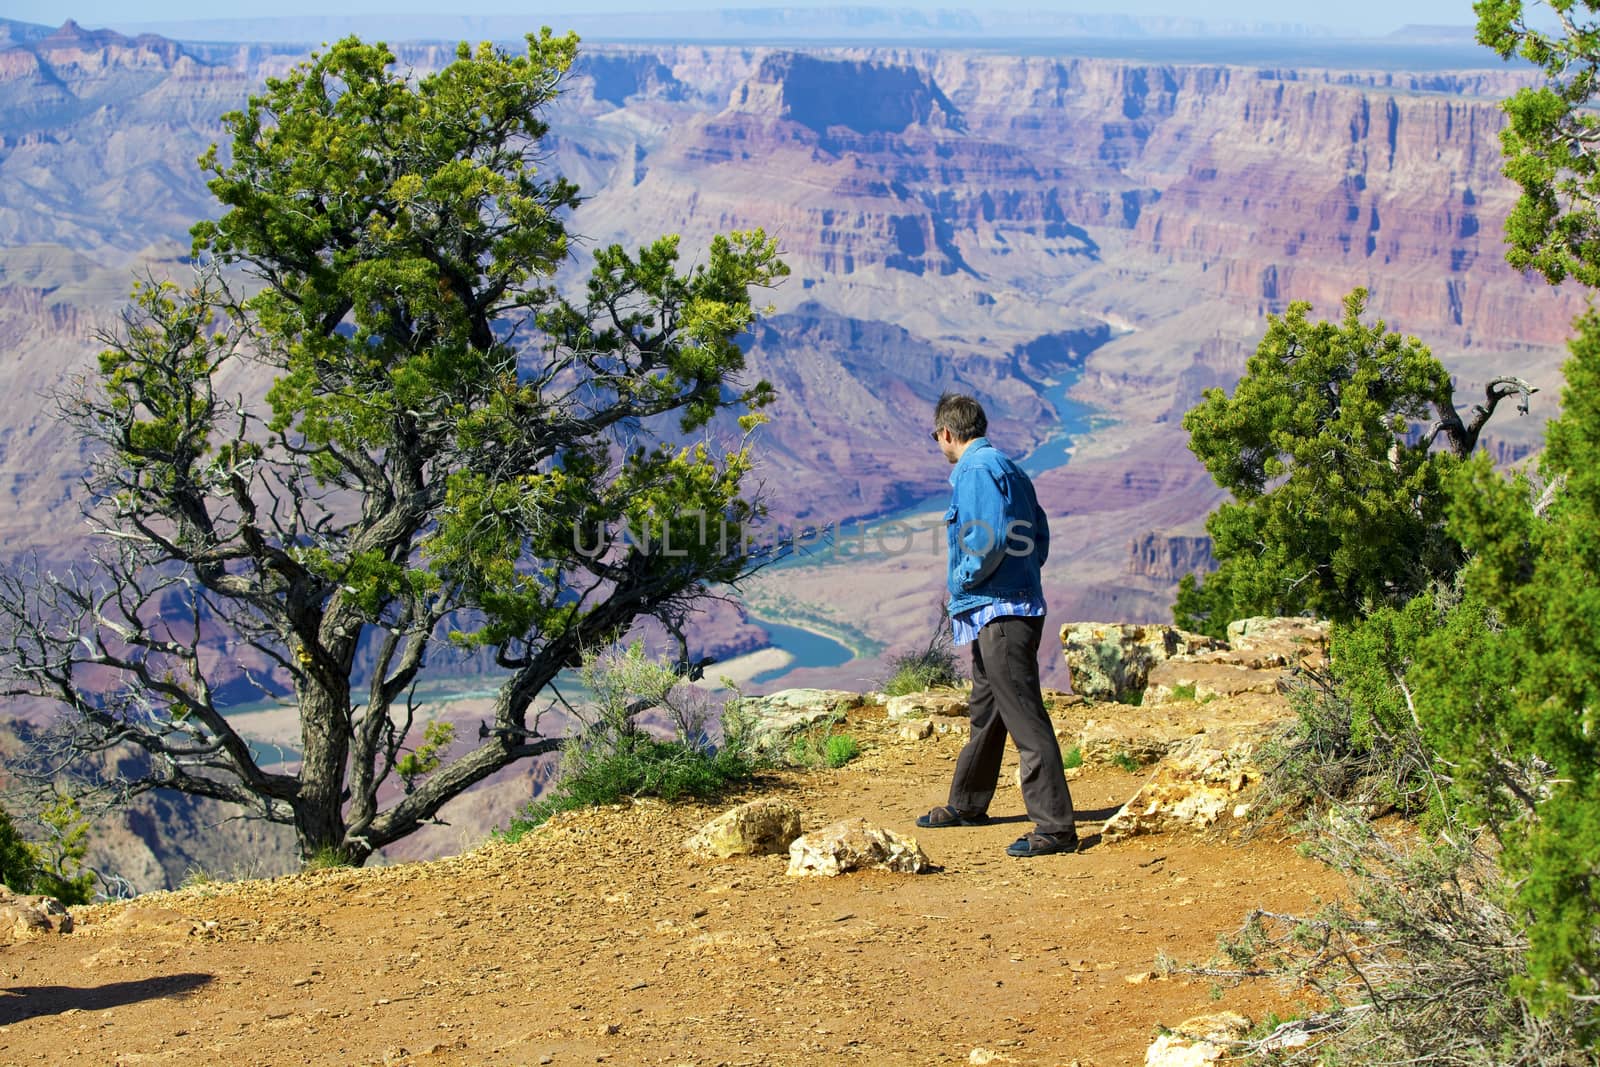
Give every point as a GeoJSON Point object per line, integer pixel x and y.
{"type": "Point", "coordinates": [29, 1002]}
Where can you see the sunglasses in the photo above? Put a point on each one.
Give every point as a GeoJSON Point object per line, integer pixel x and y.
{"type": "Point", "coordinates": [934, 435]}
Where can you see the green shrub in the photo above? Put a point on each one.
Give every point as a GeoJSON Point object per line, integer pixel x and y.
{"type": "Point", "coordinates": [933, 666]}
{"type": "Point", "coordinates": [643, 767]}
{"type": "Point", "coordinates": [1354, 740]}
{"type": "Point", "coordinates": [612, 758]}
{"type": "Point", "coordinates": [1503, 684]}
{"type": "Point", "coordinates": [1125, 761]}
{"type": "Point", "coordinates": [1073, 759]}
{"type": "Point", "coordinates": [54, 866]}
{"type": "Point", "coordinates": [327, 858]}
{"type": "Point", "coordinates": [821, 744]}
{"type": "Point", "coordinates": [1426, 965]}
{"type": "Point", "coordinates": [17, 861]}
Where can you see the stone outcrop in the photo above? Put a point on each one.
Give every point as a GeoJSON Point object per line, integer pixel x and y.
{"type": "Point", "coordinates": [1197, 782]}
{"type": "Point", "coordinates": [1280, 642]}
{"type": "Point", "coordinates": [775, 719]}
{"type": "Point", "coordinates": [948, 702]}
{"type": "Point", "coordinates": [24, 916]}
{"type": "Point", "coordinates": [1253, 662]}
{"type": "Point", "coordinates": [1112, 661]}
{"type": "Point", "coordinates": [1119, 661]}
{"type": "Point", "coordinates": [1205, 713]}
{"type": "Point", "coordinates": [852, 845]}
{"type": "Point", "coordinates": [764, 826]}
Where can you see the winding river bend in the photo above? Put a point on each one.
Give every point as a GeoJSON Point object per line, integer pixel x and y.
{"type": "Point", "coordinates": [811, 648]}
{"type": "Point", "coordinates": [805, 646]}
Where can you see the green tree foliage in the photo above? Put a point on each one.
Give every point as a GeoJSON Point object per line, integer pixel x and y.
{"type": "Point", "coordinates": [445, 441]}
{"type": "Point", "coordinates": [17, 862]}
{"type": "Point", "coordinates": [1498, 672]}
{"type": "Point", "coordinates": [1551, 138]}
{"type": "Point", "coordinates": [1338, 504]}
{"type": "Point", "coordinates": [1507, 689]}
{"type": "Point", "coordinates": [53, 867]}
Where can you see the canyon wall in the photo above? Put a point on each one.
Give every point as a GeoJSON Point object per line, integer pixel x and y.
{"type": "Point", "coordinates": [944, 212]}
{"type": "Point", "coordinates": [1005, 225]}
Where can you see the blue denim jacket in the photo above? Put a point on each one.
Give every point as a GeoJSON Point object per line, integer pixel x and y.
{"type": "Point", "coordinates": [997, 532]}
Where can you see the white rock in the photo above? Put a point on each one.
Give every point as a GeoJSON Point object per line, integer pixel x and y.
{"type": "Point", "coordinates": [1198, 1041]}
{"type": "Point", "coordinates": [855, 844]}
{"type": "Point", "coordinates": [1217, 1026]}
{"type": "Point", "coordinates": [774, 719]}
{"type": "Point", "coordinates": [1196, 784]}
{"type": "Point", "coordinates": [1175, 1050]}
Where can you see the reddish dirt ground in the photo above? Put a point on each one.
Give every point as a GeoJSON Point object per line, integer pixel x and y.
{"type": "Point", "coordinates": [599, 939]}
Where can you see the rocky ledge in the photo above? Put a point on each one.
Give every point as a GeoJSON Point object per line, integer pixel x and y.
{"type": "Point", "coordinates": [1194, 709]}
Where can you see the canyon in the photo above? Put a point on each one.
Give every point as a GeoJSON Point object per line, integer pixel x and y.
{"type": "Point", "coordinates": [1014, 226]}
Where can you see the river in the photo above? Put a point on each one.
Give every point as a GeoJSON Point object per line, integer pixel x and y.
{"type": "Point", "coordinates": [809, 648]}
{"type": "Point", "coordinates": [806, 647]}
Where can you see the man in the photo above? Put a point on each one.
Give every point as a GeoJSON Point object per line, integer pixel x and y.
{"type": "Point", "coordinates": [998, 539]}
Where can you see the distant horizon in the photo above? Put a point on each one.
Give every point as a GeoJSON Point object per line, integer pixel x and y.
{"type": "Point", "coordinates": [1361, 18]}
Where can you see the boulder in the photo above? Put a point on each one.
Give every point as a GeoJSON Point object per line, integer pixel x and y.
{"type": "Point", "coordinates": [919, 730]}
{"type": "Point", "coordinates": [774, 719]}
{"type": "Point", "coordinates": [760, 827]}
{"type": "Point", "coordinates": [1112, 661]}
{"type": "Point", "coordinates": [1195, 784]}
{"type": "Point", "coordinates": [925, 704]}
{"type": "Point", "coordinates": [24, 916]}
{"type": "Point", "coordinates": [855, 844]}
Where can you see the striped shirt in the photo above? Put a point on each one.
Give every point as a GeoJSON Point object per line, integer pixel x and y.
{"type": "Point", "coordinates": [967, 624]}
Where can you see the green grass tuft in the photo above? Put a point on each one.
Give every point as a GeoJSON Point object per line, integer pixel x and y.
{"type": "Point", "coordinates": [840, 749]}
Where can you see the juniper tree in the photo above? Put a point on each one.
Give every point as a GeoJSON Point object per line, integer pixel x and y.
{"type": "Point", "coordinates": [1338, 505]}
{"type": "Point", "coordinates": [442, 433]}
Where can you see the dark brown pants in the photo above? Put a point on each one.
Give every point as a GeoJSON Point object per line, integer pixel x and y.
{"type": "Point", "coordinates": [1006, 700]}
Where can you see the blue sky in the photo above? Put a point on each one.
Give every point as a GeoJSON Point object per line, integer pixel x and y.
{"type": "Point", "coordinates": [1366, 16]}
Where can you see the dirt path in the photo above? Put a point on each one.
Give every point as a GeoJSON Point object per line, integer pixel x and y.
{"type": "Point", "coordinates": [599, 939]}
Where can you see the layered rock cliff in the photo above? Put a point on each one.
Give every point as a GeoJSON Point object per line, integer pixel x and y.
{"type": "Point", "coordinates": [947, 214]}
{"type": "Point", "coordinates": [1006, 225]}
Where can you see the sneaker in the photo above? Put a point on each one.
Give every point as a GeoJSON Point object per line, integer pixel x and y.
{"type": "Point", "coordinates": [1036, 844]}
{"type": "Point", "coordinates": [945, 815]}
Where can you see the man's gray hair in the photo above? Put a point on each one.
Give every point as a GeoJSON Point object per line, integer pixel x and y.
{"type": "Point", "coordinates": [961, 415]}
